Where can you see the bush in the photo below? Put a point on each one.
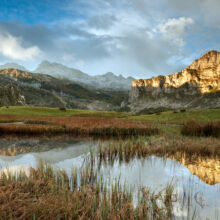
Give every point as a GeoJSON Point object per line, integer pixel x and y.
{"type": "Point", "coordinates": [62, 109]}
{"type": "Point", "coordinates": [193, 128]}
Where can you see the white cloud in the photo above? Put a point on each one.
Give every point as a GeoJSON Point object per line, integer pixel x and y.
{"type": "Point", "coordinates": [174, 29]}
{"type": "Point", "coordinates": [11, 47]}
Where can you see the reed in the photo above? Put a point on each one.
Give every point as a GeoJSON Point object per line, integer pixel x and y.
{"type": "Point", "coordinates": [193, 128]}
{"type": "Point", "coordinates": [49, 194]}
{"type": "Point", "coordinates": [97, 127]}
{"type": "Point", "coordinates": [188, 148]}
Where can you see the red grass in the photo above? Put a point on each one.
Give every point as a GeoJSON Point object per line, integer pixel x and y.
{"type": "Point", "coordinates": [89, 126]}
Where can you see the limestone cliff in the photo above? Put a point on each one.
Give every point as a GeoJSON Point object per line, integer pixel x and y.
{"type": "Point", "coordinates": [197, 86]}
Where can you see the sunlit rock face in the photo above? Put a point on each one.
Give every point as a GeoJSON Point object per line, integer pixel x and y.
{"type": "Point", "coordinates": [197, 86]}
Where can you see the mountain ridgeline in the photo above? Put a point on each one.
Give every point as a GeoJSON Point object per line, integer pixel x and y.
{"type": "Point", "coordinates": [55, 85]}
{"type": "Point", "coordinates": [21, 87]}
{"type": "Point", "coordinates": [197, 86]}
{"type": "Point", "coordinates": [105, 81]}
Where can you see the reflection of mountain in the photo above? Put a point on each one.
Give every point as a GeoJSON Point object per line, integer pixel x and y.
{"type": "Point", "coordinates": [49, 150]}
{"type": "Point", "coordinates": [208, 170]}
{"type": "Point", "coordinates": [29, 152]}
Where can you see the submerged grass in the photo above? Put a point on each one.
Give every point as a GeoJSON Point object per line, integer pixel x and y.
{"type": "Point", "coordinates": [48, 194]}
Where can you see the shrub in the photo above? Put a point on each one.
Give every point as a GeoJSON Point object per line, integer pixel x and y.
{"type": "Point", "coordinates": [194, 128]}
{"type": "Point", "coordinates": [62, 109]}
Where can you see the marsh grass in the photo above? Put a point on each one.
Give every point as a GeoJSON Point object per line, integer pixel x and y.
{"type": "Point", "coordinates": [193, 128]}
{"type": "Point", "coordinates": [181, 148]}
{"type": "Point", "coordinates": [90, 126]}
{"type": "Point", "coordinates": [49, 194]}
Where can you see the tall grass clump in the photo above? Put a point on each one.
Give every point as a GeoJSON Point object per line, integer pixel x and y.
{"type": "Point", "coordinates": [193, 128]}
{"type": "Point", "coordinates": [188, 148]}
{"type": "Point", "coordinates": [48, 194]}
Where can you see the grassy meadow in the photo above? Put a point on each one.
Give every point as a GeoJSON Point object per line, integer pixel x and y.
{"type": "Point", "coordinates": [42, 121]}
{"type": "Point", "coordinates": [176, 117]}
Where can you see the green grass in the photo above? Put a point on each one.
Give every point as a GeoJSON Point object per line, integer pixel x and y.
{"type": "Point", "coordinates": [43, 111]}
{"type": "Point", "coordinates": [205, 115]}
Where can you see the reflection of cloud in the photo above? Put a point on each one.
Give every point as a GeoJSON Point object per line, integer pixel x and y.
{"type": "Point", "coordinates": [16, 170]}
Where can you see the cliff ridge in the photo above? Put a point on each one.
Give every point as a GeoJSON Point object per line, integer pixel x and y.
{"type": "Point", "coordinates": [193, 87]}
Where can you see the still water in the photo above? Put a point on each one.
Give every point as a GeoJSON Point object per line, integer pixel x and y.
{"type": "Point", "coordinates": [152, 172]}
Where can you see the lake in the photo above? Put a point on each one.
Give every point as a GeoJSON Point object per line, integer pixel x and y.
{"type": "Point", "coordinates": [154, 172]}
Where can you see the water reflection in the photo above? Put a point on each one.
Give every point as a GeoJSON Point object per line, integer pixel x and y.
{"type": "Point", "coordinates": [191, 181]}
{"type": "Point", "coordinates": [207, 169]}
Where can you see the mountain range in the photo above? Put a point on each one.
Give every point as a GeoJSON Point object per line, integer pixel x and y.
{"type": "Point", "coordinates": [197, 86]}
{"type": "Point", "coordinates": [105, 81]}
{"type": "Point", "coordinates": [25, 88]}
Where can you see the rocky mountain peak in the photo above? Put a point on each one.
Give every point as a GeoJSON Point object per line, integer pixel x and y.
{"type": "Point", "coordinates": [108, 80]}
{"type": "Point", "coordinates": [180, 89]}
{"type": "Point", "coordinates": [208, 60]}
{"type": "Point", "coordinates": [203, 73]}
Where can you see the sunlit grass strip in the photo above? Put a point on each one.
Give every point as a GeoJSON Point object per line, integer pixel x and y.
{"type": "Point", "coordinates": [49, 194]}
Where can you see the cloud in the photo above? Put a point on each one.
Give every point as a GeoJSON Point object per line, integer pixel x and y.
{"type": "Point", "coordinates": [205, 12]}
{"type": "Point", "coordinates": [104, 21]}
{"type": "Point", "coordinates": [11, 47]}
{"type": "Point", "coordinates": [175, 29]}
{"type": "Point", "coordinates": [133, 37]}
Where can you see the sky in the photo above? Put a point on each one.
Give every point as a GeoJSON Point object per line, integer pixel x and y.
{"type": "Point", "coordinates": [139, 38]}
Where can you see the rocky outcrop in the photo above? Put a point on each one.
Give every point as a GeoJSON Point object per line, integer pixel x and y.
{"type": "Point", "coordinates": [11, 95]}
{"type": "Point", "coordinates": [197, 86]}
